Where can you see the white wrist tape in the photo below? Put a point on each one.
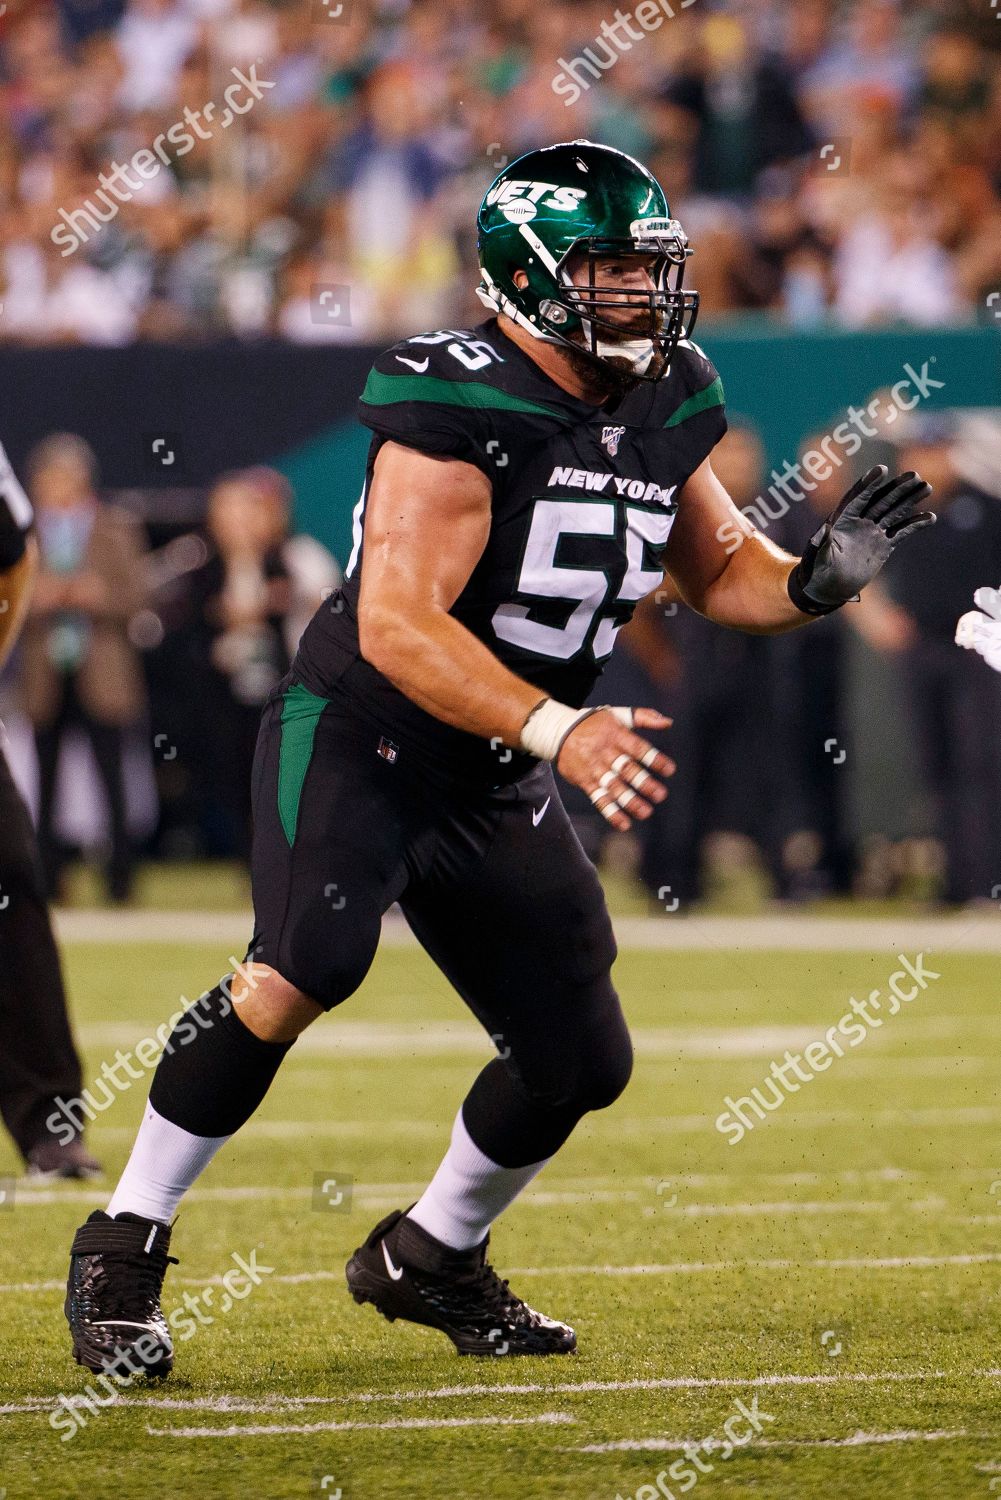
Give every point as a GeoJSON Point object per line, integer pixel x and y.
{"type": "Point", "coordinates": [548, 725]}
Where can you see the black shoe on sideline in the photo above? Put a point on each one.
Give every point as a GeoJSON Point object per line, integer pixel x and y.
{"type": "Point", "coordinates": [51, 1159]}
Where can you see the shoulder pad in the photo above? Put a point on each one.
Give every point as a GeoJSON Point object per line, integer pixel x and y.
{"type": "Point", "coordinates": [448, 354]}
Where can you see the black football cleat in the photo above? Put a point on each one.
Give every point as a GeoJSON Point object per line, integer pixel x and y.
{"type": "Point", "coordinates": [112, 1302]}
{"type": "Point", "coordinates": [406, 1273]}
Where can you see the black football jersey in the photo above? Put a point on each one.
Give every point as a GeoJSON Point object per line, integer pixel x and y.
{"type": "Point", "coordinates": [584, 498]}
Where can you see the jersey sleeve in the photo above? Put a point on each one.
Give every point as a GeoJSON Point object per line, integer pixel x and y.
{"type": "Point", "coordinates": [696, 418]}
{"type": "Point", "coordinates": [425, 396]}
{"type": "Point", "coordinates": [16, 515]}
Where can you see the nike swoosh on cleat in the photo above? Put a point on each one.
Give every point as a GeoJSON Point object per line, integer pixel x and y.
{"type": "Point", "coordinates": [420, 365]}
{"type": "Point", "coordinates": [120, 1322]}
{"type": "Point", "coordinates": [538, 813]}
{"type": "Point", "coordinates": [395, 1271]}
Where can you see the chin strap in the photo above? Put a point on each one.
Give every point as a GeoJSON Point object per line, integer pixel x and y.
{"type": "Point", "coordinates": [636, 354]}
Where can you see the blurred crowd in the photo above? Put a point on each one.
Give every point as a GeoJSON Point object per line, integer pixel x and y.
{"type": "Point", "coordinates": [830, 161]}
{"type": "Point", "coordinates": [171, 645]}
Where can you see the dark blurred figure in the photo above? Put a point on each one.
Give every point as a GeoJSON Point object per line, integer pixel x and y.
{"type": "Point", "coordinates": [813, 665]}
{"type": "Point", "coordinates": [727, 738]}
{"type": "Point", "coordinates": [38, 1061]}
{"type": "Point", "coordinates": [719, 687]}
{"type": "Point", "coordinates": [313, 572]}
{"type": "Point", "coordinates": [955, 697]}
{"type": "Point", "coordinates": [744, 107]}
{"type": "Point", "coordinates": [787, 265]}
{"type": "Point", "coordinates": [79, 669]}
{"type": "Point", "coordinates": [238, 601]}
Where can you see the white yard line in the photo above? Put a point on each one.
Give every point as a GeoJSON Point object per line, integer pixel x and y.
{"type": "Point", "coordinates": [344, 1036]}
{"type": "Point", "coordinates": [682, 1268]}
{"type": "Point", "coordinates": [792, 933]}
{"type": "Point", "coordinates": [305, 1429]}
{"type": "Point", "coordinates": [255, 1405]}
{"type": "Point", "coordinates": [45, 1198]}
{"type": "Point", "coordinates": [798, 1117]}
{"type": "Point", "coordinates": [676, 1268]}
{"type": "Point", "coordinates": [857, 1440]}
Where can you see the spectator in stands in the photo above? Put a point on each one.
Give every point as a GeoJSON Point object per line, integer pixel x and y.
{"type": "Point", "coordinates": [890, 265]}
{"type": "Point", "coordinates": [79, 669]}
{"type": "Point", "coordinates": [747, 115]}
{"type": "Point", "coordinates": [875, 63]}
{"type": "Point", "coordinates": [384, 125]}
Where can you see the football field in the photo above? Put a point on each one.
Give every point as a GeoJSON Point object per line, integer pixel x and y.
{"type": "Point", "coordinates": [834, 1271]}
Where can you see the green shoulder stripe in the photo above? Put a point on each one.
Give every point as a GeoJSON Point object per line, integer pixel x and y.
{"type": "Point", "coordinates": [711, 395]}
{"type": "Point", "coordinates": [385, 390]}
{"type": "Point", "coordinates": [301, 712]}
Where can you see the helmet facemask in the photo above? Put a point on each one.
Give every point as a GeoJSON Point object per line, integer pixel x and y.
{"type": "Point", "coordinates": [582, 313]}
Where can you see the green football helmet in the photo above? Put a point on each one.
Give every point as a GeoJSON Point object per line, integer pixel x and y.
{"type": "Point", "coordinates": [563, 209]}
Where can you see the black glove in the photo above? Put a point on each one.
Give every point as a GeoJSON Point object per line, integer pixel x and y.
{"type": "Point", "coordinates": [854, 543]}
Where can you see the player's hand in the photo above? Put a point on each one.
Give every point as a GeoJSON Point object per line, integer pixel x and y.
{"type": "Point", "coordinates": [980, 629]}
{"type": "Point", "coordinates": [614, 766]}
{"type": "Point", "coordinates": [856, 540]}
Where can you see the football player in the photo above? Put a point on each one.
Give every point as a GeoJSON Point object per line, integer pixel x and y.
{"type": "Point", "coordinates": [528, 481]}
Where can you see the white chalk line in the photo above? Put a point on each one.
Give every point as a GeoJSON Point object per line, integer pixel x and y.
{"type": "Point", "coordinates": [682, 1268]}
{"type": "Point", "coordinates": [275, 1402]}
{"type": "Point", "coordinates": [605, 1123]}
{"type": "Point", "coordinates": [796, 932]}
{"type": "Point", "coordinates": [306, 1429]}
{"type": "Point", "coordinates": [43, 1198]}
{"type": "Point", "coordinates": [856, 1440]}
{"type": "Point", "coordinates": [344, 1037]}
{"type": "Point", "coordinates": [675, 1268]}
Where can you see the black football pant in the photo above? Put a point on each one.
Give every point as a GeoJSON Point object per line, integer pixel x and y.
{"type": "Point", "coordinates": [38, 1061]}
{"type": "Point", "coordinates": [493, 882]}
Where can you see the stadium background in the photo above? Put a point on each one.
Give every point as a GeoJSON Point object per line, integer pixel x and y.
{"type": "Point", "coordinates": [837, 169]}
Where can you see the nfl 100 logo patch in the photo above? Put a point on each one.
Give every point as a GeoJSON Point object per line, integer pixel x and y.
{"type": "Point", "coordinates": [611, 437]}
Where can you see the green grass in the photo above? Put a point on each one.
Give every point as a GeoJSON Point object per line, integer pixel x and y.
{"type": "Point", "coordinates": [892, 1152]}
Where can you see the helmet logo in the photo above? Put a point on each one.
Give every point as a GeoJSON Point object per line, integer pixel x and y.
{"type": "Point", "coordinates": [610, 438]}
{"type": "Point", "coordinates": [565, 199]}
{"type": "Point", "coordinates": [519, 210]}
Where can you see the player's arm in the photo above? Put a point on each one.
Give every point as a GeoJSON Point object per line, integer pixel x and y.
{"type": "Point", "coordinates": [755, 586]}
{"type": "Point", "coordinates": [427, 521]}
{"type": "Point", "coordinates": [15, 594]}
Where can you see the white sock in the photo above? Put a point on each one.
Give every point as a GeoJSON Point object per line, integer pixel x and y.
{"type": "Point", "coordinates": [468, 1191]}
{"type": "Point", "coordinates": [165, 1161]}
